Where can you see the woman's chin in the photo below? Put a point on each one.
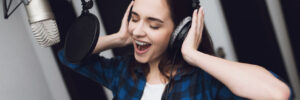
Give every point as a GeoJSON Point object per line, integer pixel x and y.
{"type": "Point", "coordinates": [140, 59]}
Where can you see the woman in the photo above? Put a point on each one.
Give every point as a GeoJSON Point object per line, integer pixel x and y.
{"type": "Point", "coordinates": [149, 75]}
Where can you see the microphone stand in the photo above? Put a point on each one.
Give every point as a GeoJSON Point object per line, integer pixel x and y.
{"type": "Point", "coordinates": [6, 8]}
{"type": "Point", "coordinates": [86, 6]}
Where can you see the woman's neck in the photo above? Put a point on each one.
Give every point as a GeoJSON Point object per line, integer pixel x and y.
{"type": "Point", "coordinates": [154, 76]}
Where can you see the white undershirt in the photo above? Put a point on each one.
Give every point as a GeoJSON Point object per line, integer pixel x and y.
{"type": "Point", "coordinates": [153, 91]}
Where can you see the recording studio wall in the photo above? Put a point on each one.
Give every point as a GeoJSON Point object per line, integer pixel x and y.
{"type": "Point", "coordinates": [291, 10]}
{"type": "Point", "coordinates": [112, 12]}
{"type": "Point", "coordinates": [253, 34]}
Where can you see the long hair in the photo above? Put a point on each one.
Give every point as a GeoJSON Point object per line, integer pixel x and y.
{"type": "Point", "coordinates": [179, 9]}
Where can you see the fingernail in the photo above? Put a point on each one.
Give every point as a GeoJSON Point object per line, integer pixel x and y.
{"type": "Point", "coordinates": [202, 9]}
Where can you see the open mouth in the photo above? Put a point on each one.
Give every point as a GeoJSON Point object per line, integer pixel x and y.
{"type": "Point", "coordinates": [142, 47]}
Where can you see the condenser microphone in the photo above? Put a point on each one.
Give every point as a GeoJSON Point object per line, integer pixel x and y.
{"type": "Point", "coordinates": [42, 22]}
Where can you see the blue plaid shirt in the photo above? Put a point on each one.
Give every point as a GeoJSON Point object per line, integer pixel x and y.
{"type": "Point", "coordinates": [113, 73]}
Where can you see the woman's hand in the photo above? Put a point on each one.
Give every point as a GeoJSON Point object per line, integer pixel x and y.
{"type": "Point", "coordinates": [193, 38]}
{"type": "Point", "coordinates": [123, 31]}
{"type": "Point", "coordinates": [119, 39]}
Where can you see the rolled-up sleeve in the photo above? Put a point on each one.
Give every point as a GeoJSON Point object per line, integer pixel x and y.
{"type": "Point", "coordinates": [219, 90]}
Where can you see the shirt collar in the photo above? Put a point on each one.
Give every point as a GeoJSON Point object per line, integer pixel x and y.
{"type": "Point", "coordinates": [139, 70]}
{"type": "Point", "coordinates": [178, 76]}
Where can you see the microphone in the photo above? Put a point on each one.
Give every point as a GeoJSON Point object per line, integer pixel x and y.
{"type": "Point", "coordinates": [42, 22]}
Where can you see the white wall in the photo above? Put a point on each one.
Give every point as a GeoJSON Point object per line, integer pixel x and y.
{"type": "Point", "coordinates": [217, 27]}
{"type": "Point", "coordinates": [27, 72]}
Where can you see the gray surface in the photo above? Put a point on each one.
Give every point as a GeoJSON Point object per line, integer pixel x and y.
{"type": "Point", "coordinates": [281, 32]}
{"type": "Point", "coordinates": [27, 72]}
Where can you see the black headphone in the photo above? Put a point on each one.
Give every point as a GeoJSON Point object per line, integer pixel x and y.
{"type": "Point", "coordinates": [175, 43]}
{"type": "Point", "coordinates": [181, 32]}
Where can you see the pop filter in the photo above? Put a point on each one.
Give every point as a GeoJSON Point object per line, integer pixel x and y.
{"type": "Point", "coordinates": [82, 37]}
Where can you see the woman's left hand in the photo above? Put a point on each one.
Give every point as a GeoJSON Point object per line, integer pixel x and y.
{"type": "Point", "coordinates": [193, 38]}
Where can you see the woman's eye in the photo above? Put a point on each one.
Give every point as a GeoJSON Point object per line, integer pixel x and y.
{"type": "Point", "coordinates": [134, 20]}
{"type": "Point", "coordinates": [154, 27]}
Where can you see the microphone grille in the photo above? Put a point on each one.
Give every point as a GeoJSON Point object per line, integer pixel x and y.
{"type": "Point", "coordinates": [46, 32]}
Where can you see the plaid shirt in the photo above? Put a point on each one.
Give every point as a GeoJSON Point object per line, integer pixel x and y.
{"type": "Point", "coordinates": [113, 73]}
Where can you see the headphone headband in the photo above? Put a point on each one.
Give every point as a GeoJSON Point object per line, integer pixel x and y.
{"type": "Point", "coordinates": [179, 29]}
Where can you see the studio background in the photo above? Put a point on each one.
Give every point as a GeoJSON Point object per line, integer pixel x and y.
{"type": "Point", "coordinates": [262, 32]}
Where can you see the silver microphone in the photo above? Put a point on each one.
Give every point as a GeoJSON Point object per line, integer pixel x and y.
{"type": "Point", "coordinates": [42, 22]}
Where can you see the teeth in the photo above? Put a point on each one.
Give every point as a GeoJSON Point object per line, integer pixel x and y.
{"type": "Point", "coordinates": [140, 43]}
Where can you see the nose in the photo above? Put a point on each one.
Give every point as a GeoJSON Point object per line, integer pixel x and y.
{"type": "Point", "coordinates": [138, 31]}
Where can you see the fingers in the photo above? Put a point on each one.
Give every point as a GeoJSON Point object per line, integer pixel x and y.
{"type": "Point", "coordinates": [124, 20]}
{"type": "Point", "coordinates": [194, 20]}
{"type": "Point", "coordinates": [201, 20]}
{"type": "Point", "coordinates": [195, 33]}
{"type": "Point", "coordinates": [200, 25]}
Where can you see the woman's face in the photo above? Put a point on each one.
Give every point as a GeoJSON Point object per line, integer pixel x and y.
{"type": "Point", "coordinates": [150, 28]}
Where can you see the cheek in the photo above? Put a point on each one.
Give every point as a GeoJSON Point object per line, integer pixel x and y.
{"type": "Point", "coordinates": [130, 28]}
{"type": "Point", "coordinates": [161, 40]}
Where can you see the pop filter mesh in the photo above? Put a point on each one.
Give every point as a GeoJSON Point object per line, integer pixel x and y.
{"type": "Point", "coordinates": [82, 38]}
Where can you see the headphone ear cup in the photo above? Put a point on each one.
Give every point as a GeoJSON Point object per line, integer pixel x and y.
{"type": "Point", "coordinates": [179, 35]}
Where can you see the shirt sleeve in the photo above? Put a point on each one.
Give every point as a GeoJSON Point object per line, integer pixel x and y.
{"type": "Point", "coordinates": [102, 70]}
{"type": "Point", "coordinates": [223, 93]}
{"type": "Point", "coordinates": [219, 91]}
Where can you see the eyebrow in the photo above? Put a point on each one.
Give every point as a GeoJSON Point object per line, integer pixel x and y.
{"type": "Point", "coordinates": [155, 19]}
{"type": "Point", "coordinates": [150, 18]}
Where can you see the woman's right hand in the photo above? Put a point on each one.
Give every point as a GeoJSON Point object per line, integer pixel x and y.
{"type": "Point", "coordinates": [119, 39]}
{"type": "Point", "coordinates": [123, 31]}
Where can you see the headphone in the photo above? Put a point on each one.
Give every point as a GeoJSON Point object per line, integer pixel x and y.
{"type": "Point", "coordinates": [180, 32]}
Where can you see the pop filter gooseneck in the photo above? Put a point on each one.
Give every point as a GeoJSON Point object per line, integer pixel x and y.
{"type": "Point", "coordinates": [82, 36]}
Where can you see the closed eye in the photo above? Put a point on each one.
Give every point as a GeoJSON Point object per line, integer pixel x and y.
{"type": "Point", "coordinates": [155, 27]}
{"type": "Point", "coordinates": [155, 23]}
{"type": "Point", "coordinates": [134, 17]}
